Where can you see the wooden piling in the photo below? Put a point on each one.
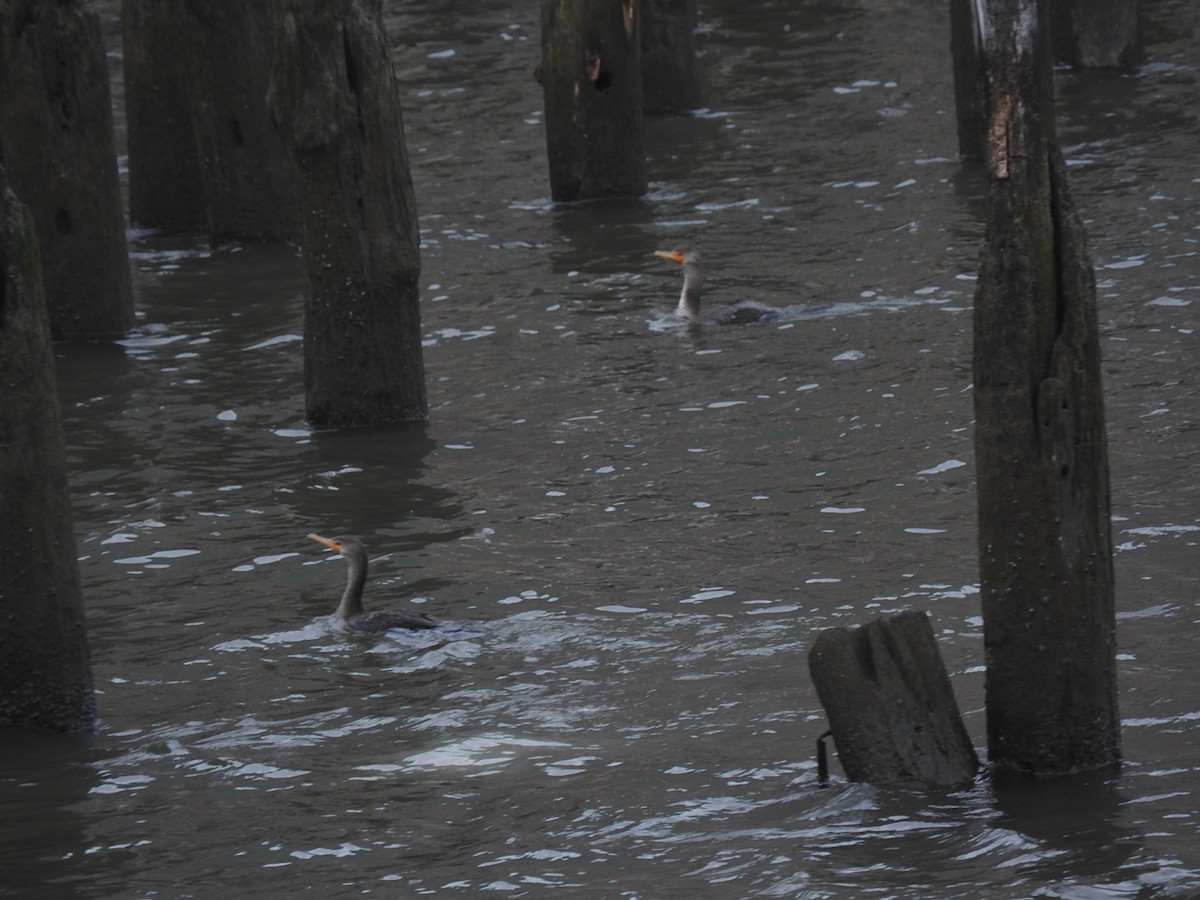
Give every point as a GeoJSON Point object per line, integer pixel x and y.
{"type": "Point", "coordinates": [669, 79]}
{"type": "Point", "coordinates": [890, 705]}
{"type": "Point", "coordinates": [166, 180]}
{"type": "Point", "coordinates": [1097, 33]}
{"type": "Point", "coordinates": [56, 142]}
{"type": "Point", "coordinates": [202, 151]}
{"type": "Point", "coordinates": [45, 674]}
{"type": "Point", "coordinates": [1041, 455]}
{"type": "Point", "coordinates": [591, 76]}
{"type": "Point", "coordinates": [333, 97]}
{"type": "Point", "coordinates": [970, 84]}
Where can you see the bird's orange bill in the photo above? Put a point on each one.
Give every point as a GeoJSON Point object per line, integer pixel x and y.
{"type": "Point", "coordinates": [672, 255]}
{"type": "Point", "coordinates": [328, 542]}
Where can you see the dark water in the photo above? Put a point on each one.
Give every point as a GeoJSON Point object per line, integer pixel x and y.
{"type": "Point", "coordinates": [647, 525]}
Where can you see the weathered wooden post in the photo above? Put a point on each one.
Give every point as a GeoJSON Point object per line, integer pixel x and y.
{"type": "Point", "coordinates": [166, 183]}
{"type": "Point", "coordinates": [45, 674]}
{"type": "Point", "coordinates": [333, 97]}
{"type": "Point", "coordinates": [592, 80]}
{"type": "Point", "coordinates": [202, 150]}
{"type": "Point", "coordinates": [669, 81]}
{"type": "Point", "coordinates": [970, 85]}
{"type": "Point", "coordinates": [1097, 33]}
{"type": "Point", "coordinates": [1040, 445]}
{"type": "Point", "coordinates": [890, 705]}
{"type": "Point", "coordinates": [56, 141]}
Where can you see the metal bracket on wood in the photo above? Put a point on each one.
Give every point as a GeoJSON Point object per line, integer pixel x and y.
{"type": "Point", "coordinates": [823, 758]}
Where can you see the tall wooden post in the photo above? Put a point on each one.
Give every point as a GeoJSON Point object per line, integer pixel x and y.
{"type": "Point", "coordinates": [45, 674]}
{"type": "Point", "coordinates": [202, 150]}
{"type": "Point", "coordinates": [1097, 33]}
{"type": "Point", "coordinates": [1041, 453]}
{"type": "Point", "coordinates": [669, 80]}
{"type": "Point", "coordinates": [970, 85]}
{"type": "Point", "coordinates": [56, 141]}
{"type": "Point", "coordinates": [333, 97]}
{"type": "Point", "coordinates": [166, 182]}
{"type": "Point", "coordinates": [592, 80]}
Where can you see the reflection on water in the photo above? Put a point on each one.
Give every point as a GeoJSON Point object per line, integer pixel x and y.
{"type": "Point", "coordinates": [636, 527]}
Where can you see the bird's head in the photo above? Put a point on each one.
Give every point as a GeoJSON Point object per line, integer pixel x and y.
{"type": "Point", "coordinates": [332, 543]}
{"type": "Point", "coordinates": [693, 278]}
{"type": "Point", "coordinates": [683, 255]}
{"type": "Point", "coordinates": [687, 257]}
{"type": "Point", "coordinates": [347, 546]}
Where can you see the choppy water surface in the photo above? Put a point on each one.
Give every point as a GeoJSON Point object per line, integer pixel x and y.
{"type": "Point", "coordinates": [643, 526]}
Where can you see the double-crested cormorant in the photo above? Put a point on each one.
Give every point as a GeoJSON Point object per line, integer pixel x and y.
{"type": "Point", "coordinates": [350, 610]}
{"type": "Point", "coordinates": [689, 299]}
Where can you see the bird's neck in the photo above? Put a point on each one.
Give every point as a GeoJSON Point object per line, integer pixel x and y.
{"type": "Point", "coordinates": [351, 605]}
{"type": "Point", "coordinates": [689, 298]}
{"type": "Point", "coordinates": [689, 304]}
